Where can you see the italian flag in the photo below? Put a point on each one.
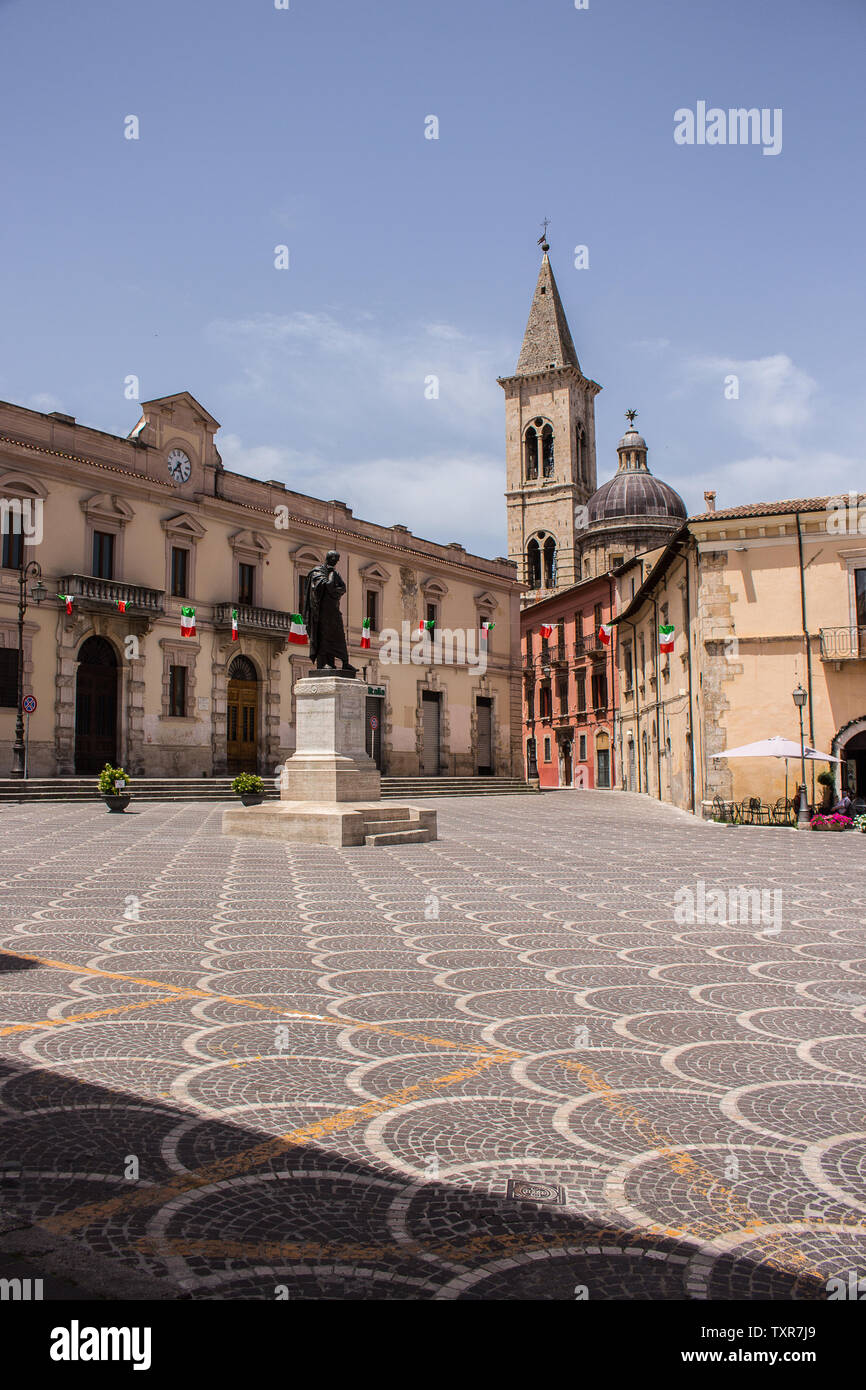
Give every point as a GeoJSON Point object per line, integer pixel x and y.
{"type": "Point", "coordinates": [546, 629]}
{"type": "Point", "coordinates": [234, 625]}
{"type": "Point", "coordinates": [365, 633]}
{"type": "Point", "coordinates": [604, 634]}
{"type": "Point", "coordinates": [67, 599]}
{"type": "Point", "coordinates": [187, 622]}
{"type": "Point", "coordinates": [297, 632]}
{"type": "Point", "coordinates": [426, 625]}
{"type": "Point", "coordinates": [121, 605]}
{"type": "Point", "coordinates": [485, 628]}
{"type": "Point", "coordinates": [666, 637]}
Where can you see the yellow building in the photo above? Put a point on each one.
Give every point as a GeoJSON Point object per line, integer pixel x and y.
{"type": "Point", "coordinates": [762, 598]}
{"type": "Point", "coordinates": [135, 529]}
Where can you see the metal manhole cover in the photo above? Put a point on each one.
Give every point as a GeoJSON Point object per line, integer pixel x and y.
{"type": "Point", "coordinates": [522, 1191]}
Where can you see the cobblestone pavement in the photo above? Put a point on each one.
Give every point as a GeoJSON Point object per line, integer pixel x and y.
{"type": "Point", "coordinates": [253, 1071]}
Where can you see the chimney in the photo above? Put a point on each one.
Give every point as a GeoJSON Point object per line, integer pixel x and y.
{"type": "Point", "coordinates": [710, 500]}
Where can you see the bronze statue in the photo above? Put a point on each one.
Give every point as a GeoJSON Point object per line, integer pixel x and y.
{"type": "Point", "coordinates": [323, 619]}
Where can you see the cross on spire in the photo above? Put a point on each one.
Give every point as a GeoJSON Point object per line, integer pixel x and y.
{"type": "Point", "coordinates": [542, 240]}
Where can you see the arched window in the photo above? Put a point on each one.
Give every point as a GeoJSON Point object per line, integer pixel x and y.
{"type": "Point", "coordinates": [533, 565]}
{"type": "Point", "coordinates": [547, 451]}
{"type": "Point", "coordinates": [530, 453]}
{"type": "Point", "coordinates": [549, 563]}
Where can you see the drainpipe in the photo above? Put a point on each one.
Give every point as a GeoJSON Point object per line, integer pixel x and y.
{"type": "Point", "coordinates": [688, 618]}
{"type": "Point", "coordinates": [636, 702]}
{"type": "Point", "coordinates": [657, 664]}
{"type": "Point", "coordinates": [611, 685]}
{"type": "Point", "coordinates": [808, 644]}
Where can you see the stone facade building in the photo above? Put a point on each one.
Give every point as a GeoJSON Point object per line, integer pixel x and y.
{"type": "Point", "coordinates": [135, 529]}
{"type": "Point", "coordinates": [569, 687]}
{"type": "Point", "coordinates": [763, 598]}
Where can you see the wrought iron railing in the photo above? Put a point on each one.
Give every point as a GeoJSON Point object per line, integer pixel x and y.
{"type": "Point", "coordinates": [110, 592]}
{"type": "Point", "coordinates": [843, 643]}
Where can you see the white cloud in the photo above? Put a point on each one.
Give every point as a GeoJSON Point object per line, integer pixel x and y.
{"type": "Point", "coordinates": [439, 497]}
{"type": "Point", "coordinates": [360, 426]}
{"type": "Point", "coordinates": [776, 398]}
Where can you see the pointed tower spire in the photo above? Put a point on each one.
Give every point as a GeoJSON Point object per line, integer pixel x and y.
{"type": "Point", "coordinates": [547, 341]}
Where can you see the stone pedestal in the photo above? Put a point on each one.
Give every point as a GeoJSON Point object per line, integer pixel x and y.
{"type": "Point", "coordinates": [330, 762]}
{"type": "Point", "coordinates": [330, 787]}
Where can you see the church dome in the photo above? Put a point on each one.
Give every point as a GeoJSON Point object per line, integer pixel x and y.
{"type": "Point", "coordinates": [635, 494]}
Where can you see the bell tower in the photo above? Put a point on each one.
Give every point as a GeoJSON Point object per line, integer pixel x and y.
{"type": "Point", "coordinates": [550, 445]}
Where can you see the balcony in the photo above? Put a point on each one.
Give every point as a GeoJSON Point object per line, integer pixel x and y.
{"type": "Point", "coordinates": [843, 643]}
{"type": "Point", "coordinates": [270, 621]}
{"type": "Point", "coordinates": [580, 647]}
{"type": "Point", "coordinates": [559, 657]}
{"type": "Point", "coordinates": [95, 595]}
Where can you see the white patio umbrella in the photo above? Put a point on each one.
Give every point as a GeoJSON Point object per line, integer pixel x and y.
{"type": "Point", "coordinates": [777, 747]}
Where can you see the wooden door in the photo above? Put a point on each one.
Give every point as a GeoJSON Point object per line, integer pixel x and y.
{"type": "Point", "coordinates": [96, 706]}
{"type": "Point", "coordinates": [430, 754]}
{"type": "Point", "coordinates": [484, 760]}
{"type": "Point", "coordinates": [242, 701]}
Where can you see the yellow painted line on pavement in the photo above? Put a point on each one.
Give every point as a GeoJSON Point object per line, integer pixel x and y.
{"type": "Point", "coordinates": [238, 1165]}
{"type": "Point", "coordinates": [83, 1018]}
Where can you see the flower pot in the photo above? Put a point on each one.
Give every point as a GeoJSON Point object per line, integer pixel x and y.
{"type": "Point", "coordinates": [117, 802]}
{"type": "Point", "coordinates": [252, 798]}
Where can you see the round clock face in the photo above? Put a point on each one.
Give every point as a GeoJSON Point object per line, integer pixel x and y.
{"type": "Point", "coordinates": [178, 465]}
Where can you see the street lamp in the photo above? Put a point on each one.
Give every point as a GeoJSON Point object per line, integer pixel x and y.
{"type": "Point", "coordinates": [38, 594]}
{"type": "Point", "coordinates": [803, 814]}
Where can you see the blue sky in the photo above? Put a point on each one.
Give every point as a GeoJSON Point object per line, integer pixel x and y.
{"type": "Point", "coordinates": [411, 257]}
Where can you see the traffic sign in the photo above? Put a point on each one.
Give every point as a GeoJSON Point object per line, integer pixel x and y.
{"type": "Point", "coordinates": [374, 723]}
{"type": "Point", "coordinates": [28, 704]}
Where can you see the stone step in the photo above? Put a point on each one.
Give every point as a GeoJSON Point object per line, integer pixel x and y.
{"type": "Point", "coordinates": [219, 788]}
{"type": "Point", "coordinates": [399, 837]}
{"type": "Point", "coordinates": [384, 827]}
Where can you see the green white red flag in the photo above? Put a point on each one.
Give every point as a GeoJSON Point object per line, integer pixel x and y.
{"type": "Point", "coordinates": [485, 628]}
{"type": "Point", "coordinates": [234, 625]}
{"type": "Point", "coordinates": [67, 599]}
{"type": "Point", "coordinates": [365, 633]}
{"type": "Point", "coordinates": [604, 634]}
{"type": "Point", "coordinates": [121, 605]}
{"type": "Point", "coordinates": [297, 631]}
{"type": "Point", "coordinates": [187, 622]}
{"type": "Point", "coordinates": [426, 626]}
{"type": "Point", "coordinates": [667, 632]}
{"type": "Point", "coordinates": [546, 630]}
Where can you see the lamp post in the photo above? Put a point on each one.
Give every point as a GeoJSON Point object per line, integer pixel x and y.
{"type": "Point", "coordinates": [39, 592]}
{"type": "Point", "coordinates": [803, 814]}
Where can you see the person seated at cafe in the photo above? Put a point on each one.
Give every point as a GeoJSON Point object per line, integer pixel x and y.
{"type": "Point", "coordinates": [843, 805]}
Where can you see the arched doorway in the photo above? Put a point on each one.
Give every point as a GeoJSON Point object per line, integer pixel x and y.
{"type": "Point", "coordinates": [96, 706]}
{"type": "Point", "coordinates": [242, 717]}
{"type": "Point", "coordinates": [850, 745]}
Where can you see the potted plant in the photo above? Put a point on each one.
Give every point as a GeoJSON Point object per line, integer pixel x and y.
{"type": "Point", "coordinates": [859, 823]}
{"type": "Point", "coordinates": [113, 782]}
{"type": "Point", "coordinates": [828, 782]}
{"type": "Point", "coordinates": [250, 788]}
{"type": "Point", "coordinates": [834, 821]}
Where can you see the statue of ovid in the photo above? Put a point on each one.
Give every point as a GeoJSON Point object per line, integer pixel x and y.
{"type": "Point", "coordinates": [323, 619]}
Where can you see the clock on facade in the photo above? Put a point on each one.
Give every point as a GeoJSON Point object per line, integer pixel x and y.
{"type": "Point", "coordinates": [178, 465]}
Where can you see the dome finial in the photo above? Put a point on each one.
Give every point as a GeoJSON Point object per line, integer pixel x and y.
{"type": "Point", "coordinates": [631, 416]}
{"type": "Point", "coordinates": [542, 240]}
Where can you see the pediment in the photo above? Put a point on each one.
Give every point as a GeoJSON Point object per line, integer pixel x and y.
{"type": "Point", "coordinates": [181, 403]}
{"type": "Point", "coordinates": [486, 600]}
{"type": "Point", "coordinates": [183, 524]}
{"type": "Point", "coordinates": [21, 485]}
{"type": "Point", "coordinates": [374, 571]}
{"type": "Point", "coordinates": [105, 506]}
{"type": "Point", "coordinates": [436, 587]}
{"type": "Point", "coordinates": [250, 540]}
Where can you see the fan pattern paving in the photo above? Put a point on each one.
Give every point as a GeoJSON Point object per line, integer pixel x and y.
{"type": "Point", "coordinates": [258, 1071]}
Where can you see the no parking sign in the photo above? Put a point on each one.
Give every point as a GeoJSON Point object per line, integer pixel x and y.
{"type": "Point", "coordinates": [28, 704]}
